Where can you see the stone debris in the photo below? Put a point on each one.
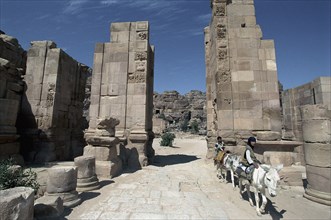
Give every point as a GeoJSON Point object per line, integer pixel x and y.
{"type": "Point", "coordinates": [17, 203]}
{"type": "Point", "coordinates": [62, 182]}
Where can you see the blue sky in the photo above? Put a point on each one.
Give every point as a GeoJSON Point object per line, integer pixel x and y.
{"type": "Point", "coordinates": [300, 28]}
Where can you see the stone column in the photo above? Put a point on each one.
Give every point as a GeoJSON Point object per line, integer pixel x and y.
{"type": "Point", "coordinates": [86, 178]}
{"type": "Point", "coordinates": [62, 182]}
{"type": "Point", "coordinates": [316, 129]}
{"type": "Point", "coordinates": [102, 145]}
{"type": "Point", "coordinates": [17, 203]}
{"type": "Point", "coordinates": [242, 82]}
{"type": "Point", "coordinates": [122, 89]}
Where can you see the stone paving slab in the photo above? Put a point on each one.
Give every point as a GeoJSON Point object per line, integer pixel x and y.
{"type": "Point", "coordinates": [176, 191]}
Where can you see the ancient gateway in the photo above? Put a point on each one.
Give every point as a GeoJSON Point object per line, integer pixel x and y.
{"type": "Point", "coordinates": [43, 92]}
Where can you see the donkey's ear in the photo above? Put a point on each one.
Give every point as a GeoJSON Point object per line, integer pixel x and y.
{"type": "Point", "coordinates": [279, 167]}
{"type": "Point", "coordinates": [265, 167]}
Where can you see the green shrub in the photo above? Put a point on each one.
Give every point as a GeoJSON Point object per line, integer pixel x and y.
{"type": "Point", "coordinates": [184, 125]}
{"type": "Point", "coordinates": [167, 139]}
{"type": "Point", "coordinates": [11, 177]}
{"type": "Point", "coordinates": [194, 127]}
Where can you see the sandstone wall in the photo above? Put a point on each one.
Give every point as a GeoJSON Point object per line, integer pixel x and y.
{"type": "Point", "coordinates": [242, 82]}
{"type": "Point", "coordinates": [52, 107]}
{"type": "Point", "coordinates": [122, 89]}
{"type": "Point", "coordinates": [12, 69]}
{"type": "Point", "coordinates": [316, 92]}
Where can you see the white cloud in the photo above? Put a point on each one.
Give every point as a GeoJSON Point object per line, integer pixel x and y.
{"type": "Point", "coordinates": [109, 2]}
{"type": "Point", "coordinates": [74, 6]}
{"type": "Point", "coordinates": [204, 18]}
{"type": "Point", "coordinates": [42, 17]}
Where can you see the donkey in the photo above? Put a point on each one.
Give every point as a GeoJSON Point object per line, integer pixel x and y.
{"type": "Point", "coordinates": [263, 177]}
{"type": "Point", "coordinates": [230, 163]}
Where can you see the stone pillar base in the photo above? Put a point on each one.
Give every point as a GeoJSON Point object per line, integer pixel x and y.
{"type": "Point", "coordinates": [319, 197]}
{"type": "Point", "coordinates": [108, 169]}
{"type": "Point", "coordinates": [70, 199]}
{"type": "Point", "coordinates": [87, 184]}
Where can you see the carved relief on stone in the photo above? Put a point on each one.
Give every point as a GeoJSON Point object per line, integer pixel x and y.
{"type": "Point", "coordinates": [221, 31]}
{"type": "Point", "coordinates": [142, 35]}
{"type": "Point", "coordinates": [50, 95]}
{"type": "Point", "coordinates": [140, 56]}
{"type": "Point", "coordinates": [131, 78]}
{"type": "Point", "coordinates": [222, 53]}
{"type": "Point", "coordinates": [140, 78]}
{"type": "Point", "coordinates": [223, 77]}
{"type": "Point", "coordinates": [141, 66]}
{"type": "Point", "coordinates": [137, 77]}
{"type": "Point", "coordinates": [220, 10]}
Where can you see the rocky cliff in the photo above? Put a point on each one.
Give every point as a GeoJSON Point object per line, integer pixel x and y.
{"type": "Point", "coordinates": [182, 112]}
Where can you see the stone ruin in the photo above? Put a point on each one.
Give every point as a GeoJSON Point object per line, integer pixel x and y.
{"type": "Point", "coordinates": [42, 100]}
{"type": "Point", "coordinates": [122, 90]}
{"type": "Point", "coordinates": [243, 99]}
{"type": "Point", "coordinates": [51, 119]}
{"type": "Point", "coordinates": [242, 83]}
{"type": "Point", "coordinates": [12, 69]}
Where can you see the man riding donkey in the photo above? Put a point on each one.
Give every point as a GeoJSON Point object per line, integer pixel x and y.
{"type": "Point", "coordinates": [219, 150]}
{"type": "Point", "coordinates": [248, 160]}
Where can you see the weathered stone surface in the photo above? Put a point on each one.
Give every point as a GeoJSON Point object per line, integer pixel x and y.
{"type": "Point", "coordinates": [121, 94]}
{"type": "Point", "coordinates": [318, 154]}
{"type": "Point", "coordinates": [70, 199]}
{"type": "Point", "coordinates": [242, 83]}
{"type": "Point", "coordinates": [317, 131]}
{"type": "Point", "coordinates": [109, 168]}
{"type": "Point", "coordinates": [85, 166]}
{"type": "Point", "coordinates": [296, 103]}
{"type": "Point", "coordinates": [53, 103]}
{"type": "Point", "coordinates": [61, 179]}
{"type": "Point", "coordinates": [48, 207]}
{"type": "Point", "coordinates": [292, 175]}
{"type": "Point", "coordinates": [316, 146]}
{"type": "Point", "coordinates": [86, 179]}
{"type": "Point", "coordinates": [268, 135]}
{"type": "Point", "coordinates": [17, 203]}
{"type": "Point", "coordinates": [319, 178]}
{"type": "Point", "coordinates": [275, 158]}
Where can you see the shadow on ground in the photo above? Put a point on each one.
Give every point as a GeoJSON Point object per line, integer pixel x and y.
{"type": "Point", "coordinates": [105, 183]}
{"type": "Point", "coordinates": [165, 160]}
{"type": "Point", "coordinates": [269, 209]}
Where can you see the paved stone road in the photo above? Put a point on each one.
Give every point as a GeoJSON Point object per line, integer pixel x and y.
{"type": "Point", "coordinates": [183, 185]}
{"type": "Point", "coordinates": [178, 186]}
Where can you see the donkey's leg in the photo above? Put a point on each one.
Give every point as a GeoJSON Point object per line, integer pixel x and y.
{"type": "Point", "coordinates": [257, 201]}
{"type": "Point", "coordinates": [221, 173]}
{"type": "Point", "coordinates": [240, 188]}
{"type": "Point", "coordinates": [249, 194]}
{"type": "Point", "coordinates": [232, 179]}
{"type": "Point", "coordinates": [264, 200]}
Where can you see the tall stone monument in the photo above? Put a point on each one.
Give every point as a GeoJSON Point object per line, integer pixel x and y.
{"type": "Point", "coordinates": [241, 72]}
{"type": "Point", "coordinates": [122, 89]}
{"type": "Point", "coordinates": [52, 108]}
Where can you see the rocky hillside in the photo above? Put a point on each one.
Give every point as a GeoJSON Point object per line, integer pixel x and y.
{"type": "Point", "coordinates": [182, 112]}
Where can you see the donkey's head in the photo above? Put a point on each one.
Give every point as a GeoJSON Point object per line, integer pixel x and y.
{"type": "Point", "coordinates": [271, 178]}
